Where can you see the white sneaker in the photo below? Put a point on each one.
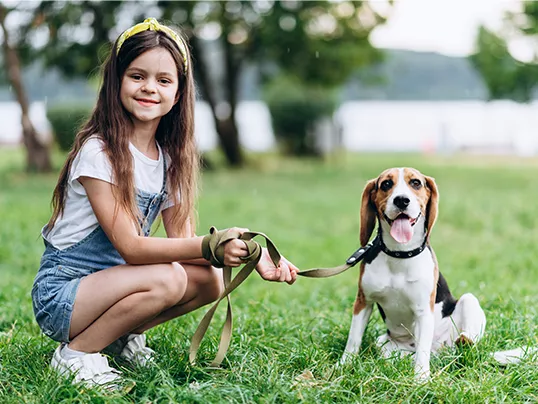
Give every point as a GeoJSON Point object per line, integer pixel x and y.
{"type": "Point", "coordinates": [136, 351]}
{"type": "Point", "coordinates": [90, 369]}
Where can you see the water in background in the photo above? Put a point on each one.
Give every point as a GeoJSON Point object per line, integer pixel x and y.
{"type": "Point", "coordinates": [475, 126]}
{"type": "Point", "coordinates": [434, 126]}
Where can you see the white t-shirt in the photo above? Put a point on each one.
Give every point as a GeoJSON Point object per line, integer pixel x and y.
{"type": "Point", "coordinates": [78, 219]}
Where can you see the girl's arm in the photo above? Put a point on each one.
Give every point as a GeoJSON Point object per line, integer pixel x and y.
{"type": "Point", "coordinates": [173, 231]}
{"type": "Point", "coordinates": [136, 249]}
{"type": "Point", "coordinates": [287, 272]}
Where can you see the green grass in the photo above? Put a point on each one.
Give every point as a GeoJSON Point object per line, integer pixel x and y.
{"type": "Point", "coordinates": [288, 338]}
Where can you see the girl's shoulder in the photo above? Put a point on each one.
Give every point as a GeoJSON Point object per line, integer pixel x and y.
{"type": "Point", "coordinates": [91, 158]}
{"type": "Point", "coordinates": [93, 144]}
{"type": "Point", "coordinates": [92, 148]}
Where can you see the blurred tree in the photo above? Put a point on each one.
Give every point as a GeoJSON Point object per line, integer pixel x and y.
{"type": "Point", "coordinates": [37, 153]}
{"type": "Point", "coordinates": [296, 108]}
{"type": "Point", "coordinates": [504, 75]}
{"type": "Point", "coordinates": [319, 41]}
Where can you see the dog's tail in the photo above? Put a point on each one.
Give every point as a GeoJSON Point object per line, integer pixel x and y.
{"type": "Point", "coordinates": [514, 355]}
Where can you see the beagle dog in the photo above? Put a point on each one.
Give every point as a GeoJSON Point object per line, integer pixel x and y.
{"type": "Point", "coordinates": [399, 273]}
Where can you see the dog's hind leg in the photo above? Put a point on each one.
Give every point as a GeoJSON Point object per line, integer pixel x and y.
{"type": "Point", "coordinates": [469, 321]}
{"type": "Point", "coordinates": [515, 355]}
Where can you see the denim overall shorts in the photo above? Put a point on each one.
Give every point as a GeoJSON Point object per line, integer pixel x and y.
{"type": "Point", "coordinates": [56, 283]}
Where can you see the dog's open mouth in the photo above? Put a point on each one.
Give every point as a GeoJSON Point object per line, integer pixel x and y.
{"type": "Point", "coordinates": [401, 228]}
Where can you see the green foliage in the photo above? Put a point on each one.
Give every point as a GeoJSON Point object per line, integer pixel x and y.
{"type": "Point", "coordinates": [290, 34]}
{"type": "Point", "coordinates": [527, 22]}
{"type": "Point", "coordinates": [504, 76]}
{"type": "Point", "coordinates": [295, 108]}
{"type": "Point", "coordinates": [287, 339]}
{"type": "Point", "coordinates": [322, 42]}
{"type": "Point", "coordinates": [66, 120]}
{"type": "Point", "coordinates": [77, 34]}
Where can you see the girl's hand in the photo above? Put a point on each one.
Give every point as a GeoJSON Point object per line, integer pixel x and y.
{"type": "Point", "coordinates": [234, 250]}
{"type": "Point", "coordinates": [285, 272]}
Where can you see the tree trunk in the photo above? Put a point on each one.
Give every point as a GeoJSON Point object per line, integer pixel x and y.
{"type": "Point", "coordinates": [229, 133]}
{"type": "Point", "coordinates": [229, 140]}
{"type": "Point", "coordinates": [226, 128]}
{"type": "Point", "coordinates": [37, 153]}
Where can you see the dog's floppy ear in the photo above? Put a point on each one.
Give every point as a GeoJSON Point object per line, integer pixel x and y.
{"type": "Point", "coordinates": [368, 212]}
{"type": "Point", "coordinates": [433, 205]}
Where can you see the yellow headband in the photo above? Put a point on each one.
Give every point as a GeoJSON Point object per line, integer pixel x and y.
{"type": "Point", "coordinates": [152, 24]}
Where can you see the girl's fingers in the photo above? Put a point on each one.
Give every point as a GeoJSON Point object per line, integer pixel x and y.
{"type": "Point", "coordinates": [241, 247]}
{"type": "Point", "coordinates": [288, 275]}
{"type": "Point", "coordinates": [229, 263]}
{"type": "Point", "coordinates": [278, 272]}
{"type": "Point", "coordinates": [292, 271]}
{"type": "Point", "coordinates": [293, 275]}
{"type": "Point", "coordinates": [284, 272]}
{"type": "Point", "coordinates": [291, 265]}
{"type": "Point", "coordinates": [234, 250]}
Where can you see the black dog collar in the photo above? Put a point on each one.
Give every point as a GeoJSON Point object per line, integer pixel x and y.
{"type": "Point", "coordinates": [397, 254]}
{"type": "Point", "coordinates": [401, 254]}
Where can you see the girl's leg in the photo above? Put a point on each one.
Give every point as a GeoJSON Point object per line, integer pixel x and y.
{"type": "Point", "coordinates": [204, 286]}
{"type": "Point", "coordinates": [114, 301]}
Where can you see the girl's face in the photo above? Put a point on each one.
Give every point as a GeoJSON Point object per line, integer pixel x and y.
{"type": "Point", "coordinates": [149, 86]}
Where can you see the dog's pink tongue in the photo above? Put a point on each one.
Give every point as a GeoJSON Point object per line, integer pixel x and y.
{"type": "Point", "coordinates": [401, 230]}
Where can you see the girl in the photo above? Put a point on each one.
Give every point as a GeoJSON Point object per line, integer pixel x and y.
{"type": "Point", "coordinates": [103, 281]}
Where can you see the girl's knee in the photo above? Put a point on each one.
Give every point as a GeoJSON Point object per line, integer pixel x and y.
{"type": "Point", "coordinates": [171, 283]}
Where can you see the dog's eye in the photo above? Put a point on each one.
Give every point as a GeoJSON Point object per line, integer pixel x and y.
{"type": "Point", "coordinates": [386, 185]}
{"type": "Point", "coordinates": [415, 183]}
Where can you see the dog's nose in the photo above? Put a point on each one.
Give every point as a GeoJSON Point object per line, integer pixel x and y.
{"type": "Point", "coordinates": [401, 201]}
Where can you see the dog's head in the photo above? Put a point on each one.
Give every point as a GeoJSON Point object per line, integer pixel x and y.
{"type": "Point", "coordinates": [399, 196]}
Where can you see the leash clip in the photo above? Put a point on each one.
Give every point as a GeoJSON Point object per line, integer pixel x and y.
{"type": "Point", "coordinates": [358, 255]}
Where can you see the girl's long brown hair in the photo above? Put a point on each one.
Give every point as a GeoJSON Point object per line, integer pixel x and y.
{"type": "Point", "coordinates": [111, 123]}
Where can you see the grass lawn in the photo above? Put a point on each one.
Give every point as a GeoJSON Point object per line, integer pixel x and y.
{"type": "Point", "coordinates": [287, 339]}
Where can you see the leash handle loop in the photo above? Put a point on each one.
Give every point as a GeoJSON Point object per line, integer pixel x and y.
{"type": "Point", "coordinates": [213, 251]}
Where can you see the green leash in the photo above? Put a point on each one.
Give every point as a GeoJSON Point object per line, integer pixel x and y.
{"type": "Point", "coordinates": [213, 251]}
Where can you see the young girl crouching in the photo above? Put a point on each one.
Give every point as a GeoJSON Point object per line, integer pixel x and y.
{"type": "Point", "coordinates": [103, 280]}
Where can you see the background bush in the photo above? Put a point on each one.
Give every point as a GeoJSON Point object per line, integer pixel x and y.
{"type": "Point", "coordinates": [295, 107]}
{"type": "Point", "coordinates": [66, 119]}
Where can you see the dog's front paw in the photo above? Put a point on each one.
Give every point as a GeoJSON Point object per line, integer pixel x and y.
{"type": "Point", "coordinates": [346, 358]}
{"type": "Point", "coordinates": [422, 375]}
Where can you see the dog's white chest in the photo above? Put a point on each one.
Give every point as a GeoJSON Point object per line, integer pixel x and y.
{"type": "Point", "coordinates": [402, 287]}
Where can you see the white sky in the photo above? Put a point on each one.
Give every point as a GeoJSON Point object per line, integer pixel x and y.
{"type": "Point", "coordinates": [444, 26]}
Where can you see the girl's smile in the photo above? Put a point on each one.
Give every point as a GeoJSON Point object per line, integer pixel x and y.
{"type": "Point", "coordinates": [147, 102]}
